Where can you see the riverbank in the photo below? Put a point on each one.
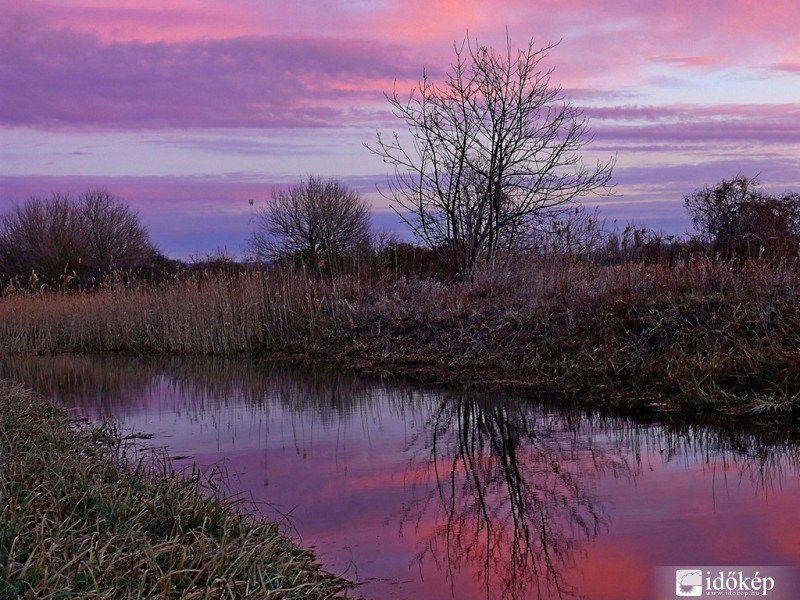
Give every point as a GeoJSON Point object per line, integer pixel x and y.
{"type": "Point", "coordinates": [83, 515]}
{"type": "Point", "coordinates": [688, 335]}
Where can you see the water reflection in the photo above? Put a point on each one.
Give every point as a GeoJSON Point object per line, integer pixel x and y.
{"type": "Point", "coordinates": [492, 497]}
{"type": "Point", "coordinates": [105, 386]}
{"type": "Point", "coordinates": [514, 497]}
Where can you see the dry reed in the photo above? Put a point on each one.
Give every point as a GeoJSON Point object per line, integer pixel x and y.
{"type": "Point", "coordinates": [700, 332]}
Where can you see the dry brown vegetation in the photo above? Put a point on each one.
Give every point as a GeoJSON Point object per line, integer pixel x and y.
{"type": "Point", "coordinates": [83, 516]}
{"type": "Point", "coordinates": [689, 333]}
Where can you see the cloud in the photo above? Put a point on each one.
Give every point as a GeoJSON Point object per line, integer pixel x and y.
{"type": "Point", "coordinates": [60, 78]}
{"type": "Point", "coordinates": [242, 146]}
{"type": "Point", "coordinates": [689, 61]}
{"type": "Point", "coordinates": [135, 65]}
{"type": "Point", "coordinates": [670, 126]}
{"type": "Point", "coordinates": [785, 68]}
{"type": "Point", "coordinates": [142, 20]}
{"type": "Point", "coordinates": [758, 132]}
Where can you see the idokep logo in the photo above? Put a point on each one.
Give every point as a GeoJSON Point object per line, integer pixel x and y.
{"type": "Point", "coordinates": [776, 583]}
{"type": "Point", "coordinates": [688, 582]}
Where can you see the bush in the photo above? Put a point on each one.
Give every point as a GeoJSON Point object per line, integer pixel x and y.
{"type": "Point", "coordinates": [315, 222]}
{"type": "Point", "coordinates": [737, 219]}
{"type": "Point", "coordinates": [65, 241]}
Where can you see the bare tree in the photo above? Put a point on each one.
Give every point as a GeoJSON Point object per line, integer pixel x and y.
{"type": "Point", "coordinates": [315, 219]}
{"type": "Point", "coordinates": [737, 219]}
{"type": "Point", "coordinates": [40, 238]}
{"type": "Point", "coordinates": [114, 236]}
{"type": "Point", "coordinates": [492, 151]}
{"type": "Point", "coordinates": [63, 237]}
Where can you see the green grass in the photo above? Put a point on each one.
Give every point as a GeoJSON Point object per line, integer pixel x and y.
{"type": "Point", "coordinates": [84, 516]}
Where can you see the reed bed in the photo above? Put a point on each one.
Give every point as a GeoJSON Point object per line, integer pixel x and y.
{"type": "Point", "coordinates": [700, 333]}
{"type": "Point", "coordinates": [83, 516]}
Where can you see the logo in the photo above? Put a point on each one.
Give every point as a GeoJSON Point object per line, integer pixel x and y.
{"type": "Point", "coordinates": [688, 583]}
{"type": "Point", "coordinates": [775, 583]}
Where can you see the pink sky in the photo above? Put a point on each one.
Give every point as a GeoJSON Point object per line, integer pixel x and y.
{"type": "Point", "coordinates": [187, 109]}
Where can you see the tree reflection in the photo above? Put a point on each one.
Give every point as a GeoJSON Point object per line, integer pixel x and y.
{"type": "Point", "coordinates": [514, 497]}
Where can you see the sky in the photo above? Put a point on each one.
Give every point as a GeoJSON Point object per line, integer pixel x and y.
{"type": "Point", "coordinates": [188, 109]}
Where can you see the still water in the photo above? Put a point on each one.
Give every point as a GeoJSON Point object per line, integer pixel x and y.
{"type": "Point", "coordinates": [425, 492]}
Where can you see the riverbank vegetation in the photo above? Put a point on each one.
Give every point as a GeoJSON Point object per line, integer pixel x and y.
{"type": "Point", "coordinates": [84, 515]}
{"type": "Point", "coordinates": [689, 333]}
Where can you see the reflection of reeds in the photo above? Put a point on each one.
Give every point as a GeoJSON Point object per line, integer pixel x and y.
{"type": "Point", "coordinates": [764, 454]}
{"type": "Point", "coordinates": [104, 385]}
{"type": "Point", "coordinates": [94, 387]}
{"type": "Point", "coordinates": [81, 517]}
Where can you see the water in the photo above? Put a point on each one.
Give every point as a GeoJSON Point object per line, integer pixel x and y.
{"type": "Point", "coordinates": [419, 492]}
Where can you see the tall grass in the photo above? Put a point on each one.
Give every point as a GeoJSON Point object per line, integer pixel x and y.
{"type": "Point", "coordinates": [700, 331]}
{"type": "Point", "coordinates": [83, 517]}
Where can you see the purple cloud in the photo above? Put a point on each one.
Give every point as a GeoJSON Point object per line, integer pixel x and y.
{"type": "Point", "coordinates": [57, 78]}
{"type": "Point", "coordinates": [786, 68]}
{"type": "Point", "coordinates": [762, 124]}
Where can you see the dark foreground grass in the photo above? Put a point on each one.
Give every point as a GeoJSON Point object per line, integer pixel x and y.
{"type": "Point", "coordinates": [83, 518]}
{"type": "Point", "coordinates": [692, 335]}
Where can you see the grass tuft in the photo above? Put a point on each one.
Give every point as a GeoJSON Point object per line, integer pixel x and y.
{"type": "Point", "coordinates": [83, 516]}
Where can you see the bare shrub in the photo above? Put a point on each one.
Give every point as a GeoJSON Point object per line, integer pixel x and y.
{"type": "Point", "coordinates": [114, 235]}
{"type": "Point", "coordinates": [61, 239]}
{"type": "Point", "coordinates": [312, 221]}
{"type": "Point", "coordinates": [41, 237]}
{"type": "Point", "coordinates": [641, 244]}
{"type": "Point", "coordinates": [577, 233]}
{"type": "Point", "coordinates": [736, 219]}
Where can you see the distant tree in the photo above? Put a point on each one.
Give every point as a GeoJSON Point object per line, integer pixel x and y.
{"type": "Point", "coordinates": [735, 218]}
{"type": "Point", "coordinates": [491, 152]}
{"type": "Point", "coordinates": [41, 238]}
{"type": "Point", "coordinates": [317, 219]}
{"type": "Point", "coordinates": [61, 238]}
{"type": "Point", "coordinates": [114, 236]}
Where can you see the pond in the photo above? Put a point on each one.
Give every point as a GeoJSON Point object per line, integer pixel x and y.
{"type": "Point", "coordinates": [432, 492]}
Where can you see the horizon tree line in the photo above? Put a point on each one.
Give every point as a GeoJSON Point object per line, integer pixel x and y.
{"type": "Point", "coordinates": [67, 240]}
{"type": "Point", "coordinates": [70, 241]}
{"type": "Point", "coordinates": [489, 168]}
